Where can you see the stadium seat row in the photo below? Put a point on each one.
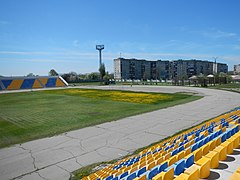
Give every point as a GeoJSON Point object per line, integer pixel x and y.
{"type": "Point", "coordinates": [189, 155]}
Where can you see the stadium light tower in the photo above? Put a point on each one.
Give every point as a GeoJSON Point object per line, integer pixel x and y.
{"type": "Point", "coordinates": [100, 48]}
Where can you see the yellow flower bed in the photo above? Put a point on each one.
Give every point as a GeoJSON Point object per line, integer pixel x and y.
{"type": "Point", "coordinates": [133, 97]}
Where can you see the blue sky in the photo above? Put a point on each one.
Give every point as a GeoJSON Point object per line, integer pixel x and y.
{"type": "Point", "coordinates": [38, 35]}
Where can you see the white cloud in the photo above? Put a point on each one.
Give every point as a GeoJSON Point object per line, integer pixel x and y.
{"type": "Point", "coordinates": [218, 34]}
{"type": "Point", "coordinates": [83, 57]}
{"type": "Point", "coordinates": [76, 43]}
{"type": "Point", "coordinates": [237, 47]}
{"type": "Point", "coordinates": [5, 22]}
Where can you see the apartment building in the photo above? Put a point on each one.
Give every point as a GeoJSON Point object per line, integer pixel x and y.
{"type": "Point", "coordinates": [236, 69]}
{"type": "Point", "coordinates": [165, 70]}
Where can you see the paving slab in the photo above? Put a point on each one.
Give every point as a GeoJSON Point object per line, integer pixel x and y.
{"type": "Point", "coordinates": [56, 157]}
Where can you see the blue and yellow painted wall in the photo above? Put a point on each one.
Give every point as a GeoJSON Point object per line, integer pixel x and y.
{"type": "Point", "coordinates": [16, 83]}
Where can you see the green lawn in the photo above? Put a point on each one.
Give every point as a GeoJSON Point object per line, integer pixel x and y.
{"type": "Point", "coordinates": [31, 115]}
{"type": "Point", "coordinates": [235, 87]}
{"type": "Point", "coordinates": [223, 86]}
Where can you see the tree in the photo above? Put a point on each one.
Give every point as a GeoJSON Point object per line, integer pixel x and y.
{"type": "Point", "coordinates": [93, 76]}
{"type": "Point", "coordinates": [106, 78]}
{"type": "Point", "coordinates": [111, 76]}
{"type": "Point", "coordinates": [30, 75]}
{"type": "Point", "coordinates": [222, 78]}
{"type": "Point", "coordinates": [52, 72]}
{"type": "Point", "coordinates": [102, 70]}
{"type": "Point", "coordinates": [202, 80]}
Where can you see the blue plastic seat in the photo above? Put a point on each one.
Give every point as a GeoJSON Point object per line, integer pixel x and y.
{"type": "Point", "coordinates": [236, 128]}
{"type": "Point", "coordinates": [141, 171]}
{"type": "Point", "coordinates": [123, 175]}
{"type": "Point", "coordinates": [174, 152]}
{"type": "Point", "coordinates": [197, 139]}
{"type": "Point", "coordinates": [166, 148]}
{"type": "Point", "coordinates": [109, 177]}
{"type": "Point", "coordinates": [220, 132]}
{"type": "Point", "coordinates": [162, 167]}
{"type": "Point", "coordinates": [224, 137]}
{"type": "Point", "coordinates": [180, 144]}
{"type": "Point", "coordinates": [206, 139]}
{"type": "Point", "coordinates": [189, 161]}
{"type": "Point", "coordinates": [233, 131]}
{"type": "Point", "coordinates": [179, 167]}
{"type": "Point", "coordinates": [194, 147]}
{"type": "Point", "coordinates": [200, 143]}
{"type": "Point", "coordinates": [181, 148]}
{"type": "Point", "coordinates": [201, 137]}
{"type": "Point", "coordinates": [210, 129]}
{"type": "Point", "coordinates": [229, 134]}
{"type": "Point", "coordinates": [131, 176]}
{"type": "Point", "coordinates": [152, 173]}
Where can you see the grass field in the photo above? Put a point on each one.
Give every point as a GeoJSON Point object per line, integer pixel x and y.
{"type": "Point", "coordinates": [31, 115]}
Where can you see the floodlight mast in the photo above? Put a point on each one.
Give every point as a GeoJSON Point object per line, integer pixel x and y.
{"type": "Point", "coordinates": [100, 48]}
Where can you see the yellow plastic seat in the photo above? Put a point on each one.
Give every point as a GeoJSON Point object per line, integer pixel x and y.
{"type": "Point", "coordinates": [176, 146]}
{"type": "Point", "coordinates": [222, 152]}
{"type": "Point", "coordinates": [218, 141]}
{"type": "Point", "coordinates": [135, 168]}
{"type": "Point", "coordinates": [236, 141]}
{"type": "Point", "coordinates": [167, 156]}
{"type": "Point", "coordinates": [186, 145]}
{"type": "Point", "coordinates": [187, 151]}
{"type": "Point", "coordinates": [212, 145]}
{"type": "Point", "coordinates": [197, 154]}
{"type": "Point", "coordinates": [142, 164]}
{"type": "Point", "coordinates": [192, 172]}
{"type": "Point", "coordinates": [235, 176]}
{"type": "Point", "coordinates": [214, 159]}
{"type": "Point", "coordinates": [127, 168]}
{"type": "Point", "coordinates": [205, 149]}
{"type": "Point", "coordinates": [169, 175]}
{"type": "Point", "coordinates": [144, 177]}
{"type": "Point", "coordinates": [156, 156]}
{"type": "Point", "coordinates": [192, 142]}
{"type": "Point", "coordinates": [151, 165]}
{"type": "Point", "coordinates": [180, 155]}
{"type": "Point", "coordinates": [169, 150]}
{"type": "Point", "coordinates": [164, 153]}
{"type": "Point", "coordinates": [85, 178]}
{"type": "Point", "coordinates": [150, 160]}
{"type": "Point", "coordinates": [229, 145]}
{"type": "Point", "coordinates": [204, 167]}
{"type": "Point", "coordinates": [238, 170]}
{"type": "Point", "coordinates": [118, 173]}
{"type": "Point", "coordinates": [172, 160]}
{"type": "Point", "coordinates": [182, 177]}
{"type": "Point", "coordinates": [159, 161]}
{"type": "Point", "coordinates": [224, 129]}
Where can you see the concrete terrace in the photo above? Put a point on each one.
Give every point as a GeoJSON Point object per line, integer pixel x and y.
{"type": "Point", "coordinates": [56, 157]}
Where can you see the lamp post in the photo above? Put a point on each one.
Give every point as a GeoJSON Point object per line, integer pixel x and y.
{"type": "Point", "coordinates": [100, 48]}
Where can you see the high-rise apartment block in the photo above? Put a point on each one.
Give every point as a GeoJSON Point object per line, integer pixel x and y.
{"type": "Point", "coordinates": [236, 69]}
{"type": "Point", "coordinates": [164, 70]}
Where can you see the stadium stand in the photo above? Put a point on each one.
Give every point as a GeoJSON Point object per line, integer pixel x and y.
{"type": "Point", "coordinates": [17, 83]}
{"type": "Point", "coordinates": [189, 155]}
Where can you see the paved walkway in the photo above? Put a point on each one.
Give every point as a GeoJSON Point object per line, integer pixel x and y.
{"type": "Point", "coordinates": [56, 157]}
